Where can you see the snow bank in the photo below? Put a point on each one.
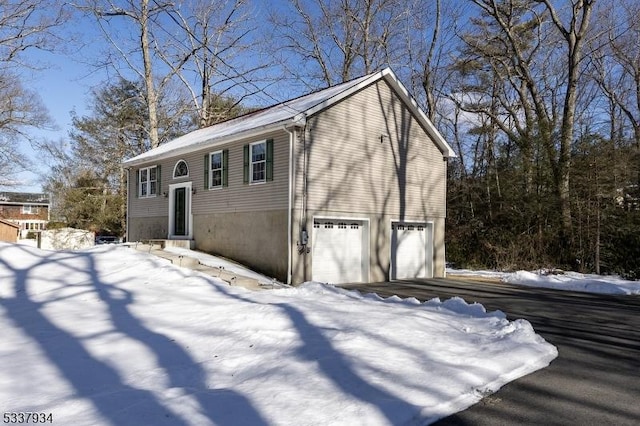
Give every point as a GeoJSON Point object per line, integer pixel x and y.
{"type": "Point", "coordinates": [114, 336]}
{"type": "Point", "coordinates": [562, 280]}
{"type": "Point", "coordinates": [575, 282]}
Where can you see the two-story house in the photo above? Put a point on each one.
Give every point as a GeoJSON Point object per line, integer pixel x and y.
{"type": "Point", "coordinates": [347, 184]}
{"type": "Point", "coordinates": [30, 211]}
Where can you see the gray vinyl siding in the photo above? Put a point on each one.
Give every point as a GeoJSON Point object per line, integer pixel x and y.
{"type": "Point", "coordinates": [350, 169]}
{"type": "Point", "coordinates": [148, 206]}
{"type": "Point", "coordinates": [352, 173]}
{"type": "Point", "coordinates": [236, 197]}
{"type": "Point", "coordinates": [241, 197]}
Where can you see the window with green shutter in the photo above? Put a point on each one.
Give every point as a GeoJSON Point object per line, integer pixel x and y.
{"type": "Point", "coordinates": [245, 172]}
{"type": "Point", "coordinates": [225, 167]}
{"type": "Point", "coordinates": [216, 170]}
{"type": "Point", "coordinates": [269, 162]}
{"type": "Point", "coordinates": [206, 171]}
{"type": "Point", "coordinates": [148, 181]}
{"type": "Point", "coordinates": [258, 162]}
{"type": "Point", "coordinates": [137, 183]}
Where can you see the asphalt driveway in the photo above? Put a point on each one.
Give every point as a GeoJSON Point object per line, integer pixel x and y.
{"type": "Point", "coordinates": [594, 381]}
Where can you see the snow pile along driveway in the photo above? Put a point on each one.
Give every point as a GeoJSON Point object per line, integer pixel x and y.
{"type": "Point", "coordinates": [114, 336]}
{"type": "Point", "coordinates": [558, 280]}
{"type": "Point", "coordinates": [575, 281]}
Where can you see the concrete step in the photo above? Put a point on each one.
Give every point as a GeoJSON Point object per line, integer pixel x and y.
{"type": "Point", "coordinates": [229, 277]}
{"type": "Point", "coordinates": [154, 248]}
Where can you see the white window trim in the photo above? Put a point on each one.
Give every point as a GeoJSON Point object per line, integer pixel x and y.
{"type": "Point", "coordinates": [188, 212]}
{"type": "Point", "coordinates": [211, 169]}
{"type": "Point", "coordinates": [251, 163]}
{"type": "Point", "coordinates": [175, 167]}
{"type": "Point", "coordinates": [148, 182]}
{"type": "Point", "coordinates": [27, 209]}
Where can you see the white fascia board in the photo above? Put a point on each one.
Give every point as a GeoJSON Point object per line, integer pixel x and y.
{"type": "Point", "coordinates": [340, 96]}
{"type": "Point", "coordinates": [207, 143]}
{"type": "Point", "coordinates": [391, 78]}
{"type": "Point", "coordinates": [299, 120]}
{"type": "Point", "coordinates": [445, 148]}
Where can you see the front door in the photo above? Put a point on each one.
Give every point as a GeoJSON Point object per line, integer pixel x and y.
{"type": "Point", "coordinates": [180, 212]}
{"type": "Point", "coordinates": [180, 226]}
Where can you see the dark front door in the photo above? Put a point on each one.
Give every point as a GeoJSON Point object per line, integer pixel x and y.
{"type": "Point", "coordinates": [180, 211]}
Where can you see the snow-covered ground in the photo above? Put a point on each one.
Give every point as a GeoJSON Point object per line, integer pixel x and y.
{"type": "Point", "coordinates": [115, 336]}
{"type": "Point", "coordinates": [562, 280]}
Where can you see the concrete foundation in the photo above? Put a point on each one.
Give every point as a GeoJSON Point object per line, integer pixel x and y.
{"type": "Point", "coordinates": [255, 239]}
{"type": "Point", "coordinates": [147, 228]}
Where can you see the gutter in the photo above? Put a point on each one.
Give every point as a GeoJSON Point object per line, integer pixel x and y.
{"type": "Point", "coordinates": [206, 143]}
{"type": "Point", "coordinates": [126, 226]}
{"type": "Point", "coordinates": [291, 130]}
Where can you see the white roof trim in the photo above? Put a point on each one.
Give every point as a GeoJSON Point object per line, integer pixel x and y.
{"type": "Point", "coordinates": [445, 148]}
{"type": "Point", "coordinates": [388, 75]}
{"type": "Point", "coordinates": [290, 113]}
{"type": "Point", "coordinates": [209, 143]}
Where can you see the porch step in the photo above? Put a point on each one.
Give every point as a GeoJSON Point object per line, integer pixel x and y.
{"type": "Point", "coordinates": [185, 244]}
{"type": "Point", "coordinates": [155, 247]}
{"type": "Point", "coordinates": [176, 259]}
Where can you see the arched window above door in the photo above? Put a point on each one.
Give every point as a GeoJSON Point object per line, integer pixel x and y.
{"type": "Point", "coordinates": [181, 169]}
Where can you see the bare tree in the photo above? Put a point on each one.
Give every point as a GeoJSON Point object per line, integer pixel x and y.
{"type": "Point", "coordinates": [136, 54]}
{"type": "Point", "coordinates": [24, 25]}
{"type": "Point", "coordinates": [615, 60]}
{"type": "Point", "coordinates": [536, 53]}
{"type": "Point", "coordinates": [337, 40]}
{"type": "Point", "coordinates": [215, 48]}
{"type": "Point", "coordinates": [28, 24]}
{"type": "Point", "coordinates": [426, 53]}
{"type": "Point", "coordinates": [201, 45]}
{"type": "Point", "coordinates": [574, 33]}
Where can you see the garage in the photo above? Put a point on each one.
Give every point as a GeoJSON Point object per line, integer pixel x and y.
{"type": "Point", "coordinates": [411, 250]}
{"type": "Point", "coordinates": [339, 251]}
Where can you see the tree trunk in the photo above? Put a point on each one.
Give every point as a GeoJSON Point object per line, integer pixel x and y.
{"type": "Point", "coordinates": [152, 97]}
{"type": "Point", "coordinates": [574, 35]}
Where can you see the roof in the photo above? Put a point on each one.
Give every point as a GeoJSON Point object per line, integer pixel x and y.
{"type": "Point", "coordinates": [290, 113]}
{"type": "Point", "coordinates": [24, 198]}
{"type": "Point", "coordinates": [6, 222]}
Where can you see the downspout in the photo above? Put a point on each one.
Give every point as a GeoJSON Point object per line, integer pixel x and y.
{"type": "Point", "coordinates": [292, 136]}
{"type": "Point", "coordinates": [126, 229]}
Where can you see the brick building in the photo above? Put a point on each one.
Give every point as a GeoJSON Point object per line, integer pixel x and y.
{"type": "Point", "coordinates": [30, 211]}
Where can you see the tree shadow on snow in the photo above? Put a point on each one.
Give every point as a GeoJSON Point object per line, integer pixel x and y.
{"type": "Point", "coordinates": [95, 381]}
{"type": "Point", "coordinates": [317, 348]}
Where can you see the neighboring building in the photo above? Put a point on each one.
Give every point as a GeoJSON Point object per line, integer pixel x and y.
{"type": "Point", "coordinates": [347, 184]}
{"type": "Point", "coordinates": [30, 211]}
{"type": "Point", "coordinates": [628, 197]}
{"type": "Point", "coordinates": [8, 231]}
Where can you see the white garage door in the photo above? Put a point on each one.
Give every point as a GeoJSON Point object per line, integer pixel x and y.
{"type": "Point", "coordinates": [411, 250]}
{"type": "Point", "coordinates": [337, 251]}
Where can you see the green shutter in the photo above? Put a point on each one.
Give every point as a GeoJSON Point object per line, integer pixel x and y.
{"type": "Point", "coordinates": [137, 183]}
{"type": "Point", "coordinates": [269, 159]}
{"type": "Point", "coordinates": [246, 164]}
{"type": "Point", "coordinates": [158, 180]}
{"type": "Point", "coordinates": [225, 167]}
{"type": "Point", "coordinates": [206, 171]}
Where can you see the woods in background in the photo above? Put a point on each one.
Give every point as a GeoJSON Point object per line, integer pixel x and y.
{"type": "Point", "coordinates": [548, 171]}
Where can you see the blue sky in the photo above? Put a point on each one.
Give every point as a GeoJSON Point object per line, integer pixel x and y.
{"type": "Point", "coordinates": [64, 84]}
